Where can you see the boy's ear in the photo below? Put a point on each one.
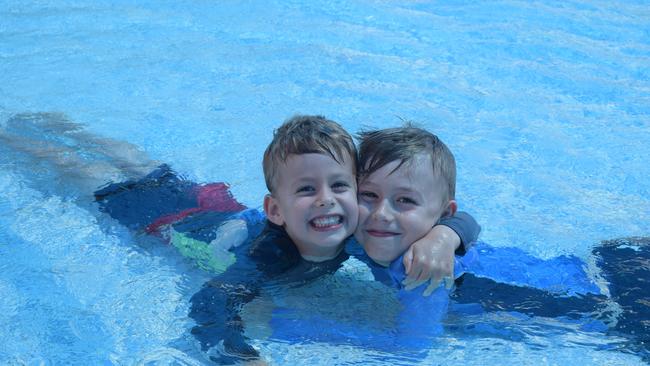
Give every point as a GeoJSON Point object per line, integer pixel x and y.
{"type": "Point", "coordinates": [452, 206]}
{"type": "Point", "coordinates": [272, 210]}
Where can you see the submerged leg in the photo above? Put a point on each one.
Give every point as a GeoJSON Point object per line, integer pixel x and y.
{"type": "Point", "coordinates": [496, 296]}
{"type": "Point", "coordinates": [77, 158]}
{"type": "Point", "coordinates": [625, 265]}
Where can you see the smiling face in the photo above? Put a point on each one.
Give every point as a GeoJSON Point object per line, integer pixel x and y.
{"type": "Point", "coordinates": [316, 202]}
{"type": "Point", "coordinates": [396, 208]}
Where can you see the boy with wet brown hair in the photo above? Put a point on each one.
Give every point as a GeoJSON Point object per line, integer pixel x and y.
{"type": "Point", "coordinates": [407, 185]}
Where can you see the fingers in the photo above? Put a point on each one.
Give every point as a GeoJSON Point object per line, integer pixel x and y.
{"type": "Point", "coordinates": [407, 260]}
{"type": "Point", "coordinates": [435, 277]}
{"type": "Point", "coordinates": [418, 268]}
{"type": "Point", "coordinates": [449, 282]}
{"type": "Point", "coordinates": [419, 273]}
{"type": "Point", "coordinates": [410, 285]}
{"type": "Point", "coordinates": [432, 286]}
{"type": "Point", "coordinates": [435, 284]}
{"type": "Point", "coordinates": [413, 278]}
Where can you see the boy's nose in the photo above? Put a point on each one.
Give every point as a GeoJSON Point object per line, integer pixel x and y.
{"type": "Point", "coordinates": [325, 202]}
{"type": "Point", "coordinates": [382, 212]}
{"type": "Point", "coordinates": [325, 199]}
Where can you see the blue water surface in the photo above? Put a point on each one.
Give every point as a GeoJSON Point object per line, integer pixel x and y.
{"type": "Point", "coordinates": [545, 104]}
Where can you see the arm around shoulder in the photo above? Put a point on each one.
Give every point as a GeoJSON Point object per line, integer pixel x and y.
{"type": "Point", "coordinates": [464, 225]}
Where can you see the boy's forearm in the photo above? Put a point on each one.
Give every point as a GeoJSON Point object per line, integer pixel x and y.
{"type": "Point", "coordinates": [444, 235]}
{"type": "Point", "coordinates": [465, 227]}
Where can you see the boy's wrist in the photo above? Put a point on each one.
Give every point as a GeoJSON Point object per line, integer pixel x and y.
{"type": "Point", "coordinates": [445, 236]}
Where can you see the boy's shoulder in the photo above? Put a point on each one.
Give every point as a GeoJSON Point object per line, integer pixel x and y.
{"type": "Point", "coordinates": [273, 244]}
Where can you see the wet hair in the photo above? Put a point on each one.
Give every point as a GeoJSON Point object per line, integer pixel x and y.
{"type": "Point", "coordinates": [303, 134]}
{"type": "Point", "coordinates": [380, 147]}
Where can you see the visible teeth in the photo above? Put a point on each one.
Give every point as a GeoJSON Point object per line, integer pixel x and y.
{"type": "Point", "coordinates": [326, 221]}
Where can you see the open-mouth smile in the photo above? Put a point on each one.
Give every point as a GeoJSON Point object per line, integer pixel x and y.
{"type": "Point", "coordinates": [327, 222]}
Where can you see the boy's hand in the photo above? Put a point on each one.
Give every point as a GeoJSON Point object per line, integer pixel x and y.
{"type": "Point", "coordinates": [230, 234]}
{"type": "Point", "coordinates": [432, 258]}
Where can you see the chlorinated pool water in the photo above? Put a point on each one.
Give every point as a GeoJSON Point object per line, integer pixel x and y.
{"type": "Point", "coordinates": [544, 104]}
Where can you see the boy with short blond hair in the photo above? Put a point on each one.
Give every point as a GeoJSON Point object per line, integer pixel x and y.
{"type": "Point", "coordinates": [302, 135]}
{"type": "Point", "coordinates": [310, 172]}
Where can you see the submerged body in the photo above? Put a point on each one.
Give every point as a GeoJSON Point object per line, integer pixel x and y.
{"type": "Point", "coordinates": [503, 279]}
{"type": "Point", "coordinates": [623, 263]}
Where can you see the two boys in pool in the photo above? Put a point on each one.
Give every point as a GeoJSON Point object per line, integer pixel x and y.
{"type": "Point", "coordinates": [507, 279]}
{"type": "Point", "coordinates": [406, 186]}
{"type": "Point", "coordinates": [313, 193]}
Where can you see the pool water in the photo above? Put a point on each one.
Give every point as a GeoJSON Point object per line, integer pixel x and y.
{"type": "Point", "coordinates": [546, 106]}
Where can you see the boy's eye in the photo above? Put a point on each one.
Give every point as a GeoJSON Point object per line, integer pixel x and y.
{"type": "Point", "coordinates": [306, 189]}
{"type": "Point", "coordinates": [340, 186]}
{"type": "Point", "coordinates": [406, 200]}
